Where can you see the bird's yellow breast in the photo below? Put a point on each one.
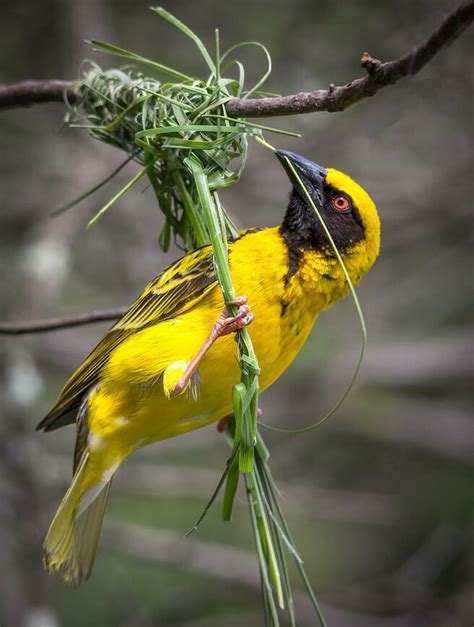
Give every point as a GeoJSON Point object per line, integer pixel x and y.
{"type": "Point", "coordinates": [130, 406]}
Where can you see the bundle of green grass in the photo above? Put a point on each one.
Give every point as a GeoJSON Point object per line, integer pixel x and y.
{"type": "Point", "coordinates": [169, 126]}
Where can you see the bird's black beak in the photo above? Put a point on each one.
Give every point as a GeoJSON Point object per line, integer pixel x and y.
{"type": "Point", "coordinates": [311, 174]}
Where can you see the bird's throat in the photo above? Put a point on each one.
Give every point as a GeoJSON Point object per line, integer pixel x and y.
{"type": "Point", "coordinates": [302, 232]}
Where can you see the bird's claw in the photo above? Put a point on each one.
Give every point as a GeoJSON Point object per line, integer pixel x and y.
{"type": "Point", "coordinates": [240, 300]}
{"type": "Point", "coordinates": [243, 317]}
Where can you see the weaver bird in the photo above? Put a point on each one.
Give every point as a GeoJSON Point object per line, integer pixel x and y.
{"type": "Point", "coordinates": [168, 366]}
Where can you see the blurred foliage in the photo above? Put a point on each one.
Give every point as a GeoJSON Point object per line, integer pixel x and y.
{"type": "Point", "coordinates": [379, 498]}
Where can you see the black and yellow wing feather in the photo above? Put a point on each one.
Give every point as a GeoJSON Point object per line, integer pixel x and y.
{"type": "Point", "coordinates": [180, 286]}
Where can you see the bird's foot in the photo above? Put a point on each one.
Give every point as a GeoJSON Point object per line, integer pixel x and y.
{"type": "Point", "coordinates": [224, 325]}
{"type": "Point", "coordinates": [230, 324]}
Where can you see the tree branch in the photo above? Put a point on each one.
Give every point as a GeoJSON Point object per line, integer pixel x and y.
{"type": "Point", "coordinates": [54, 324]}
{"type": "Point", "coordinates": [29, 92]}
{"type": "Point", "coordinates": [379, 75]}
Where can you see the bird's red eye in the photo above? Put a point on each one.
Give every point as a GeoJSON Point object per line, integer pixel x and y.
{"type": "Point", "coordinates": [340, 203]}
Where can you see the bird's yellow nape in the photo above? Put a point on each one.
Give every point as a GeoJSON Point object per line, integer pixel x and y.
{"type": "Point", "coordinates": [364, 204]}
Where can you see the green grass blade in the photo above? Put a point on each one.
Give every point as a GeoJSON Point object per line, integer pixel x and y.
{"type": "Point", "coordinates": [113, 200]}
{"type": "Point", "coordinates": [217, 65]}
{"type": "Point", "coordinates": [267, 72]}
{"type": "Point", "coordinates": [231, 462]}
{"type": "Point", "coordinates": [188, 128]}
{"type": "Point", "coordinates": [132, 56]}
{"type": "Point", "coordinates": [231, 486]}
{"type": "Point", "coordinates": [299, 564]}
{"type": "Point", "coordinates": [240, 398]}
{"type": "Point", "coordinates": [187, 31]}
{"type": "Point", "coordinates": [278, 536]}
{"type": "Point", "coordinates": [262, 448]}
{"type": "Point", "coordinates": [219, 245]}
{"type": "Point", "coordinates": [269, 602]}
{"type": "Point", "coordinates": [239, 83]}
{"type": "Point", "coordinates": [234, 425]}
{"type": "Point", "coordinates": [91, 191]}
{"type": "Point", "coordinates": [229, 226]}
{"type": "Point", "coordinates": [253, 125]}
{"type": "Point", "coordinates": [267, 539]}
{"type": "Point", "coordinates": [250, 367]}
{"type": "Point", "coordinates": [192, 211]}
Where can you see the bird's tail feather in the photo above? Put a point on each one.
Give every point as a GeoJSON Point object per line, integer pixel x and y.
{"type": "Point", "coordinates": [71, 542]}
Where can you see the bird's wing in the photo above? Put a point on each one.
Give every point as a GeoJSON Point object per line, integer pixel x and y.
{"type": "Point", "coordinates": [177, 289]}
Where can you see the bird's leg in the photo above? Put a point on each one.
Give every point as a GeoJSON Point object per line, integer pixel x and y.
{"type": "Point", "coordinates": [222, 423]}
{"type": "Point", "coordinates": [224, 325]}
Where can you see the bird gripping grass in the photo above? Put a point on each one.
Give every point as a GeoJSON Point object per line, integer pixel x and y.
{"type": "Point", "coordinates": [179, 133]}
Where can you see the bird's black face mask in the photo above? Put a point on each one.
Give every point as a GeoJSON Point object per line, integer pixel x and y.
{"type": "Point", "coordinates": [301, 228]}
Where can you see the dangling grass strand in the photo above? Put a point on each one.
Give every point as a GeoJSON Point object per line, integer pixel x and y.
{"type": "Point", "coordinates": [113, 200]}
{"type": "Point", "coordinates": [94, 189]}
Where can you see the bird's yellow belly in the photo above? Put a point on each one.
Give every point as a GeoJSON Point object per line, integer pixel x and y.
{"type": "Point", "coordinates": [129, 408]}
{"type": "Point", "coordinates": [136, 415]}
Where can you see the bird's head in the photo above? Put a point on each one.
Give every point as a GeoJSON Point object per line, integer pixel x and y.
{"type": "Point", "coordinates": [347, 210]}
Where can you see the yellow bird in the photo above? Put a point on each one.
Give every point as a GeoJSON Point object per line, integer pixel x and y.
{"type": "Point", "coordinates": [168, 366]}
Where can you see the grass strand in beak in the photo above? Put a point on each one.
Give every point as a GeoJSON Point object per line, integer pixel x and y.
{"type": "Point", "coordinates": [360, 314]}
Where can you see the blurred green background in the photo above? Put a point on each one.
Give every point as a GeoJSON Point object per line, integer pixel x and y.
{"type": "Point", "coordinates": [379, 498]}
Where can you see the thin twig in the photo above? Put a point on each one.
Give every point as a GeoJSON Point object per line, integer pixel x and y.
{"type": "Point", "coordinates": [53, 324]}
{"type": "Point", "coordinates": [379, 75]}
{"type": "Point", "coordinates": [336, 98]}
